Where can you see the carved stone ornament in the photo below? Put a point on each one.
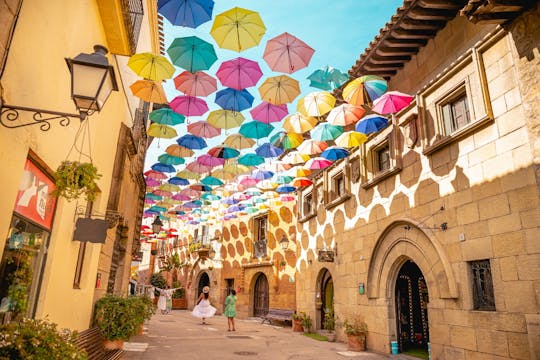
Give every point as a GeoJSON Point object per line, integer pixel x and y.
{"type": "Point", "coordinates": [355, 169]}
{"type": "Point", "coordinates": [326, 256]}
{"type": "Point", "coordinates": [410, 132]}
{"type": "Point", "coordinates": [525, 30]}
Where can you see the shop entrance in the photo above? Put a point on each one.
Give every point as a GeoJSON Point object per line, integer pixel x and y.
{"type": "Point", "coordinates": [204, 280]}
{"type": "Point", "coordinates": [260, 296]}
{"type": "Point", "coordinates": [326, 294]}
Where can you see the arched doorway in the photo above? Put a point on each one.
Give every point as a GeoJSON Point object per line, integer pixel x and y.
{"type": "Point", "coordinates": [204, 280]}
{"type": "Point", "coordinates": [260, 296]}
{"type": "Point", "coordinates": [411, 296]}
{"type": "Point", "coordinates": [326, 294]}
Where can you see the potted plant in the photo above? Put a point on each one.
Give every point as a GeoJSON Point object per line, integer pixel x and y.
{"type": "Point", "coordinates": [19, 281]}
{"type": "Point", "coordinates": [297, 322]}
{"type": "Point", "coordinates": [329, 324]}
{"type": "Point", "coordinates": [178, 296]}
{"type": "Point", "coordinates": [143, 308]}
{"type": "Point", "coordinates": [306, 322]}
{"type": "Point", "coordinates": [73, 179]}
{"type": "Point", "coordinates": [356, 332]}
{"type": "Point", "coordinates": [116, 319]}
{"type": "Point", "coordinates": [38, 339]}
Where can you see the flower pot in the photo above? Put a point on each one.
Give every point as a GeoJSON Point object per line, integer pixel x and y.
{"type": "Point", "coordinates": [140, 329]}
{"type": "Point", "coordinates": [356, 342]}
{"type": "Point", "coordinates": [113, 344]}
{"type": "Point", "coordinates": [179, 303]}
{"type": "Point", "coordinates": [331, 335]}
{"type": "Point", "coordinates": [297, 326]}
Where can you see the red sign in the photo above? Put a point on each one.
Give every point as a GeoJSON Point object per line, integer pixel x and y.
{"type": "Point", "coordinates": [34, 199]}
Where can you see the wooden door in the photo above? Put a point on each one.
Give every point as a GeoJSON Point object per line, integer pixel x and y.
{"type": "Point", "coordinates": [260, 297]}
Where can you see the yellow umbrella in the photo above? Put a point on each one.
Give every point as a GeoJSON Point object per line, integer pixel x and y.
{"type": "Point", "coordinates": [279, 90]}
{"type": "Point", "coordinates": [299, 171]}
{"type": "Point", "coordinates": [350, 139]}
{"type": "Point", "coordinates": [149, 91]}
{"type": "Point", "coordinates": [186, 174]}
{"type": "Point", "coordinates": [161, 131]}
{"type": "Point", "coordinates": [239, 141]}
{"type": "Point", "coordinates": [225, 119]}
{"type": "Point", "coordinates": [222, 174]}
{"type": "Point", "coordinates": [179, 151]}
{"type": "Point", "coordinates": [298, 123]}
{"type": "Point", "coordinates": [238, 29]}
{"type": "Point", "coordinates": [294, 157]}
{"type": "Point", "coordinates": [169, 187]}
{"type": "Point", "coordinates": [236, 169]}
{"type": "Point", "coordinates": [150, 66]}
{"type": "Point", "coordinates": [316, 103]}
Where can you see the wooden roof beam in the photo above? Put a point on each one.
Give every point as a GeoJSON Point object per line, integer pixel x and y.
{"type": "Point", "coordinates": [428, 14]}
{"type": "Point", "coordinates": [439, 4]}
{"type": "Point", "coordinates": [411, 24]}
{"type": "Point", "coordinates": [375, 59]}
{"type": "Point", "coordinates": [412, 34]}
{"type": "Point", "coordinates": [390, 41]}
{"type": "Point", "coordinates": [371, 67]}
{"type": "Point", "coordinates": [390, 51]}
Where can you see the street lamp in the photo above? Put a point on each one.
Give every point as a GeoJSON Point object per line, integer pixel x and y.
{"type": "Point", "coordinates": [92, 81]}
{"type": "Point", "coordinates": [157, 225]}
{"type": "Point", "coordinates": [284, 242]}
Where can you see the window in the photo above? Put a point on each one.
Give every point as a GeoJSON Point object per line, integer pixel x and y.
{"type": "Point", "coordinates": [456, 114]}
{"type": "Point", "coordinates": [383, 158]}
{"type": "Point", "coordinates": [205, 241]}
{"type": "Point", "coordinates": [308, 204]}
{"type": "Point", "coordinates": [260, 240]}
{"type": "Point", "coordinates": [483, 295]}
{"type": "Point", "coordinates": [338, 186]}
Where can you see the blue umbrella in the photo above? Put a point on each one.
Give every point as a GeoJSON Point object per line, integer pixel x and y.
{"type": "Point", "coordinates": [262, 174]}
{"type": "Point", "coordinates": [268, 150]}
{"type": "Point", "coordinates": [157, 209]}
{"type": "Point", "coordinates": [163, 167]}
{"type": "Point", "coordinates": [283, 189]}
{"type": "Point", "coordinates": [235, 100]}
{"type": "Point", "coordinates": [153, 196]}
{"type": "Point", "coordinates": [284, 179]}
{"type": "Point", "coordinates": [187, 13]}
{"type": "Point", "coordinates": [229, 201]}
{"type": "Point", "coordinates": [178, 181]}
{"type": "Point", "coordinates": [371, 123]}
{"type": "Point", "coordinates": [193, 204]}
{"type": "Point", "coordinates": [333, 153]}
{"type": "Point", "coordinates": [191, 142]}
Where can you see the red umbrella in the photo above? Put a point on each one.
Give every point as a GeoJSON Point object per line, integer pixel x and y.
{"type": "Point", "coordinates": [239, 73]}
{"type": "Point", "coordinates": [286, 53]}
{"type": "Point", "coordinates": [188, 105]}
{"type": "Point", "coordinates": [195, 84]}
{"type": "Point", "coordinates": [155, 174]}
{"type": "Point", "coordinates": [203, 129]}
{"type": "Point", "coordinates": [268, 113]}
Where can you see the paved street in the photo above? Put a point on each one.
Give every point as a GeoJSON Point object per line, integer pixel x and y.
{"type": "Point", "coordinates": [181, 336]}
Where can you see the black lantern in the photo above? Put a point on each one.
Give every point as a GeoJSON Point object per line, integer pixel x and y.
{"type": "Point", "coordinates": [284, 243]}
{"type": "Point", "coordinates": [157, 225]}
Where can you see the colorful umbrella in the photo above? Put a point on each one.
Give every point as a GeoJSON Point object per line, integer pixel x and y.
{"type": "Point", "coordinates": [200, 187]}
{"type": "Point", "coordinates": [149, 91]}
{"type": "Point", "coordinates": [152, 182]}
{"type": "Point", "coordinates": [316, 103]}
{"type": "Point", "coordinates": [334, 153]}
{"type": "Point", "coordinates": [371, 124]}
{"type": "Point", "coordinates": [269, 113]}
{"type": "Point", "coordinates": [187, 13]}
{"type": "Point", "coordinates": [284, 179]}
{"type": "Point", "coordinates": [181, 197]}
{"type": "Point", "coordinates": [238, 141]}
{"type": "Point", "coordinates": [317, 163]}
{"type": "Point", "coordinates": [178, 151]}
{"type": "Point", "coordinates": [250, 159]}
{"type": "Point", "coordinates": [285, 189]}
{"type": "Point", "coordinates": [155, 175]}
{"type": "Point", "coordinates": [197, 167]}
{"type": "Point", "coordinates": [150, 66]}
{"type": "Point", "coordinates": [364, 89]}
{"type": "Point", "coordinates": [286, 53]}
{"type": "Point", "coordinates": [278, 166]}
{"type": "Point", "coordinates": [238, 29]}
{"type": "Point", "coordinates": [298, 123]}
{"type": "Point", "coordinates": [212, 181]}
{"type": "Point", "coordinates": [236, 169]}
{"type": "Point", "coordinates": [209, 160]}
{"type": "Point", "coordinates": [203, 129]}
{"type": "Point", "coordinates": [326, 132]}
{"type": "Point", "coordinates": [345, 114]}
{"type": "Point", "coordinates": [268, 150]}
{"type": "Point", "coordinates": [191, 142]}
{"type": "Point", "coordinates": [266, 185]}
{"type": "Point", "coordinates": [166, 116]}
{"type": "Point", "coordinates": [262, 174]}
{"type": "Point", "coordinates": [186, 174]}
{"type": "Point", "coordinates": [223, 152]}
{"type": "Point", "coordinates": [239, 73]}
{"type": "Point", "coordinates": [279, 90]}
{"type": "Point", "coordinates": [302, 181]}
{"type": "Point", "coordinates": [294, 157]}
{"type": "Point", "coordinates": [222, 174]}
{"type": "Point", "coordinates": [163, 167]}
{"type": "Point", "coordinates": [255, 129]}
{"type": "Point", "coordinates": [195, 84]}
{"type": "Point", "coordinates": [161, 131]}
{"type": "Point", "coordinates": [178, 181]}
{"type": "Point", "coordinates": [247, 180]}
{"type": "Point", "coordinates": [286, 140]}
{"type": "Point", "coordinates": [189, 105]}
{"type": "Point", "coordinates": [391, 102]}
{"type": "Point", "coordinates": [153, 196]}
{"type": "Point", "coordinates": [350, 139]}
{"type": "Point", "coordinates": [327, 78]}
{"type": "Point", "coordinates": [192, 54]}
{"type": "Point", "coordinates": [170, 160]}
{"type": "Point", "coordinates": [235, 100]}
{"type": "Point", "coordinates": [312, 147]}
{"type": "Point", "coordinates": [299, 171]}
{"type": "Point", "coordinates": [225, 119]}
{"type": "Point", "coordinates": [169, 187]}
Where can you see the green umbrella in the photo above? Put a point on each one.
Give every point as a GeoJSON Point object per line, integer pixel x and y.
{"type": "Point", "coordinates": [255, 129]}
{"type": "Point", "coordinates": [250, 160]}
{"type": "Point", "coordinates": [326, 132]}
{"type": "Point", "coordinates": [211, 181]}
{"type": "Point", "coordinates": [166, 116]}
{"type": "Point", "coordinates": [192, 53]}
{"type": "Point", "coordinates": [170, 160]}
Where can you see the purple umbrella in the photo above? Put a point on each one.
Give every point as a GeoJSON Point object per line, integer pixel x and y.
{"type": "Point", "coordinates": [188, 105]}
{"type": "Point", "coordinates": [268, 113]}
{"type": "Point", "coordinates": [262, 174]}
{"type": "Point", "coordinates": [239, 73]}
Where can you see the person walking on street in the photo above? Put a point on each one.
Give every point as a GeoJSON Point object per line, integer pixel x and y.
{"type": "Point", "coordinates": [165, 299]}
{"type": "Point", "coordinates": [203, 309]}
{"type": "Point", "coordinates": [230, 309]}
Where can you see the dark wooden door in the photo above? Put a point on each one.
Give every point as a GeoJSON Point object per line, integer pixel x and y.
{"type": "Point", "coordinates": [260, 297]}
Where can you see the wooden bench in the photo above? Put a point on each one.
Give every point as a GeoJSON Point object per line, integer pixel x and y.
{"type": "Point", "coordinates": [91, 341]}
{"type": "Point", "coordinates": [278, 314]}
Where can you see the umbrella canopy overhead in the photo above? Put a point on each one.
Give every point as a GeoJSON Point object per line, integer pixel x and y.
{"type": "Point", "coordinates": [161, 131]}
{"type": "Point", "coordinates": [179, 151]}
{"type": "Point", "coordinates": [225, 119]}
{"type": "Point", "coordinates": [150, 66]}
{"type": "Point", "coordinates": [166, 116]}
{"type": "Point", "coordinates": [223, 152]}
{"type": "Point", "coordinates": [364, 90]}
{"type": "Point", "coordinates": [235, 100]}
{"type": "Point", "coordinates": [187, 13]}
{"type": "Point", "coordinates": [170, 160]}
{"type": "Point", "coordinates": [279, 90]}
{"type": "Point", "coordinates": [250, 159]}
{"type": "Point", "coordinates": [195, 84]}
{"type": "Point", "coordinates": [149, 91]}
{"type": "Point", "coordinates": [286, 140]}
{"type": "Point", "coordinates": [163, 167]}
{"type": "Point", "coordinates": [316, 103]}
{"type": "Point", "coordinates": [239, 73]}
{"type": "Point", "coordinates": [327, 78]}
{"type": "Point", "coordinates": [192, 53]}
{"type": "Point", "coordinates": [298, 123]}
{"type": "Point", "coordinates": [371, 123]}
{"type": "Point", "coordinates": [239, 141]}
{"type": "Point", "coordinates": [191, 142]}
{"type": "Point", "coordinates": [286, 53]}
{"type": "Point", "coordinates": [203, 129]}
{"type": "Point", "coordinates": [268, 150]}
{"type": "Point", "coordinates": [326, 132]}
{"type": "Point", "coordinates": [238, 29]}
{"type": "Point", "coordinates": [334, 153]}
{"type": "Point", "coordinates": [188, 105]}
{"type": "Point", "coordinates": [268, 113]}
{"type": "Point", "coordinates": [209, 160]}
{"type": "Point", "coordinates": [255, 129]}
{"type": "Point", "coordinates": [345, 114]}
{"type": "Point", "coordinates": [312, 147]}
{"type": "Point", "coordinates": [350, 139]}
{"type": "Point", "coordinates": [391, 102]}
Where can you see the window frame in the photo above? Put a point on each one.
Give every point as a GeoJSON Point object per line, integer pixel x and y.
{"type": "Point", "coordinates": [334, 197]}
{"type": "Point", "coordinates": [257, 220]}
{"type": "Point", "coordinates": [310, 192]}
{"type": "Point", "coordinates": [479, 299]}
{"type": "Point", "coordinates": [372, 175]}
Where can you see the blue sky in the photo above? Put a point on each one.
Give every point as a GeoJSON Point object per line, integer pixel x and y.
{"type": "Point", "coordinates": [339, 31]}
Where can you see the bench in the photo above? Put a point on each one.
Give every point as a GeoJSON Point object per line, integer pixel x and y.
{"type": "Point", "coordinates": [91, 341]}
{"type": "Point", "coordinates": [278, 314]}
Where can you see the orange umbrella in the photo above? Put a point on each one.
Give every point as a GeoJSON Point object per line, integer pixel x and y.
{"type": "Point", "coordinates": [179, 151]}
{"type": "Point", "coordinates": [299, 123]}
{"type": "Point", "coordinates": [279, 90]}
{"type": "Point", "coordinates": [149, 91]}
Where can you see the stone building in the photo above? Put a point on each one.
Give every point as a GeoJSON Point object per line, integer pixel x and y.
{"type": "Point", "coordinates": [429, 231]}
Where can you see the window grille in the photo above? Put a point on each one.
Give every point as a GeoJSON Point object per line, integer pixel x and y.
{"type": "Point", "coordinates": [483, 296]}
{"type": "Point", "coordinates": [133, 9]}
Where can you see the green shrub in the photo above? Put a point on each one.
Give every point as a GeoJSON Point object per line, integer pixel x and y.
{"type": "Point", "coordinates": [39, 340]}
{"type": "Point", "coordinates": [116, 317]}
{"type": "Point", "coordinates": [73, 179]}
{"type": "Point", "coordinates": [179, 293]}
{"type": "Point", "coordinates": [355, 327]}
{"type": "Point", "coordinates": [143, 308]}
{"type": "Point", "coordinates": [306, 322]}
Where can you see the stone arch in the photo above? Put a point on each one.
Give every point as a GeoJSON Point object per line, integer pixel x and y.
{"type": "Point", "coordinates": [402, 240]}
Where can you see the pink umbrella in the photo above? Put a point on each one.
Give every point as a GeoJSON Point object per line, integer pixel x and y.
{"type": "Point", "coordinates": [239, 73]}
{"type": "Point", "coordinates": [391, 102]}
{"type": "Point", "coordinates": [248, 181]}
{"type": "Point", "coordinates": [155, 175]}
{"type": "Point", "coordinates": [345, 114]}
{"type": "Point", "coordinates": [286, 53]}
{"type": "Point", "coordinates": [317, 163]}
{"type": "Point", "coordinates": [188, 105]}
{"type": "Point", "coordinates": [268, 113]}
{"type": "Point", "coordinates": [189, 192]}
{"type": "Point", "coordinates": [203, 129]}
{"type": "Point", "coordinates": [195, 84]}
{"type": "Point", "coordinates": [181, 197]}
{"type": "Point", "coordinates": [162, 192]}
{"type": "Point", "coordinates": [198, 168]}
{"type": "Point", "coordinates": [152, 182]}
{"type": "Point", "coordinates": [209, 160]}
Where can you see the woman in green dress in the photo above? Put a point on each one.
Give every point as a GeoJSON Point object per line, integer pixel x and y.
{"type": "Point", "coordinates": [230, 309]}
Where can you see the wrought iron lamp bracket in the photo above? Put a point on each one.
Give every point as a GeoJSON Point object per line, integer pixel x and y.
{"type": "Point", "coordinates": [9, 117]}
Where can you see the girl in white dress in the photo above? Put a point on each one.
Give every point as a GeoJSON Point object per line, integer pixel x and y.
{"type": "Point", "coordinates": [203, 309]}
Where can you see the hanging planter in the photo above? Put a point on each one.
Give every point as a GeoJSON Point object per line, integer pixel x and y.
{"type": "Point", "coordinates": [73, 179]}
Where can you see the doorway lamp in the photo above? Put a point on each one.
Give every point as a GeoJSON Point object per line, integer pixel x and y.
{"type": "Point", "coordinates": [157, 225]}
{"type": "Point", "coordinates": [92, 81]}
{"type": "Point", "coordinates": [284, 243]}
